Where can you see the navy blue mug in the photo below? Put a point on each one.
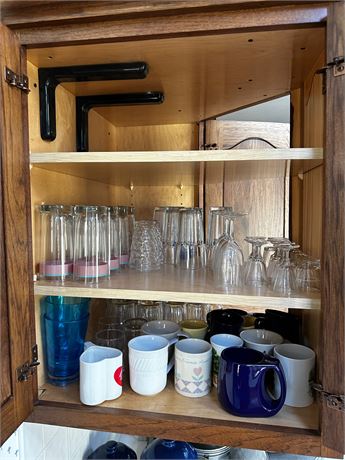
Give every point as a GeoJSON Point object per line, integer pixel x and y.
{"type": "Point", "coordinates": [243, 383]}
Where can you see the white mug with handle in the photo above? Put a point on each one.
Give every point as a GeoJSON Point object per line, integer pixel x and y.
{"type": "Point", "coordinates": [298, 364]}
{"type": "Point", "coordinates": [148, 363]}
{"type": "Point", "coordinates": [100, 374]}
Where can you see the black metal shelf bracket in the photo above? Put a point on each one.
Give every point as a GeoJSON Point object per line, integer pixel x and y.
{"type": "Point", "coordinates": [85, 103]}
{"type": "Point", "coordinates": [50, 77]}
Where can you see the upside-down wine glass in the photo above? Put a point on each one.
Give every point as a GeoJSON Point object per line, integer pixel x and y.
{"type": "Point", "coordinates": [254, 268]}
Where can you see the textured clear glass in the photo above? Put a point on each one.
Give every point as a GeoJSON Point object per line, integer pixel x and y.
{"type": "Point", "coordinates": [91, 243]}
{"type": "Point", "coordinates": [149, 310]}
{"type": "Point", "coordinates": [56, 242]}
{"type": "Point", "coordinates": [110, 337]}
{"type": "Point", "coordinates": [173, 311]}
{"type": "Point", "coordinates": [121, 310]}
{"type": "Point", "coordinates": [147, 246]}
{"type": "Point", "coordinates": [196, 311]}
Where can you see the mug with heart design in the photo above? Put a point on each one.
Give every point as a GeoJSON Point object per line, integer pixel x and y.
{"type": "Point", "coordinates": [193, 360]}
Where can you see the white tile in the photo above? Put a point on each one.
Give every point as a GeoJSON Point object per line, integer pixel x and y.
{"type": "Point", "coordinates": [78, 440]}
{"type": "Point", "coordinates": [57, 448]}
{"type": "Point", "coordinates": [50, 431]}
{"type": "Point", "coordinates": [33, 440]}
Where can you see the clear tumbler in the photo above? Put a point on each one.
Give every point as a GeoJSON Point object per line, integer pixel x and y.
{"type": "Point", "coordinates": [56, 248]}
{"type": "Point", "coordinates": [191, 250]}
{"type": "Point", "coordinates": [91, 243]}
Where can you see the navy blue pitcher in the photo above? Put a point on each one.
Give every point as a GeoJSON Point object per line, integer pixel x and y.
{"type": "Point", "coordinates": [243, 383]}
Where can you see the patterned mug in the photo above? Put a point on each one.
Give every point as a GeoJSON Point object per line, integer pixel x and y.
{"type": "Point", "coordinates": [193, 360]}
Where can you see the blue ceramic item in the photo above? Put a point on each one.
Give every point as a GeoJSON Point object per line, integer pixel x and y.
{"type": "Point", "coordinates": [166, 449]}
{"type": "Point", "coordinates": [242, 383]}
{"type": "Point", "coordinates": [113, 449]}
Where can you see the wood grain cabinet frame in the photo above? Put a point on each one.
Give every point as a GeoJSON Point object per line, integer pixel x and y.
{"type": "Point", "coordinates": [31, 24]}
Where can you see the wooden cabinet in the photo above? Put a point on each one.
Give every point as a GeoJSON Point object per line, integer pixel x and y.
{"type": "Point", "coordinates": [208, 58]}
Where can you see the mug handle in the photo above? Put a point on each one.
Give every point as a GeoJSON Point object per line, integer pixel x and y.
{"type": "Point", "coordinates": [183, 334]}
{"type": "Point", "coordinates": [273, 404]}
{"type": "Point", "coordinates": [171, 362]}
{"type": "Point", "coordinates": [260, 322]}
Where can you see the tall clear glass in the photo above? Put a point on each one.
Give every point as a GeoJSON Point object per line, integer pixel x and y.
{"type": "Point", "coordinates": [124, 236]}
{"type": "Point", "coordinates": [91, 243]}
{"type": "Point", "coordinates": [114, 238]}
{"type": "Point", "coordinates": [191, 249]}
{"type": "Point", "coordinates": [56, 242]}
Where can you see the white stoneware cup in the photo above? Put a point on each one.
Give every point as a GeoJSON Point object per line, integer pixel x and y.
{"type": "Point", "coordinates": [163, 328]}
{"type": "Point", "coordinates": [298, 364]}
{"type": "Point", "coordinates": [148, 363]}
{"type": "Point", "coordinates": [100, 375]}
{"type": "Point", "coordinates": [193, 359]}
{"type": "Point", "coordinates": [261, 340]}
{"type": "Point", "coordinates": [219, 342]}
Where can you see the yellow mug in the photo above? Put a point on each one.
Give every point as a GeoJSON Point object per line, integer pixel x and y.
{"type": "Point", "coordinates": [195, 328]}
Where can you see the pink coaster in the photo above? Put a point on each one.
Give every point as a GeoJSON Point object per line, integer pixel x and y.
{"type": "Point", "coordinates": [55, 268]}
{"type": "Point", "coordinates": [114, 263]}
{"type": "Point", "coordinates": [124, 259]}
{"type": "Point", "coordinates": [84, 269]}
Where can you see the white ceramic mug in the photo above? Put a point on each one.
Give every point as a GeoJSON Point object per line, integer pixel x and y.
{"type": "Point", "coordinates": [298, 364]}
{"type": "Point", "coordinates": [193, 359]}
{"type": "Point", "coordinates": [148, 363]}
{"type": "Point", "coordinates": [261, 340]}
{"type": "Point", "coordinates": [163, 328]}
{"type": "Point", "coordinates": [100, 375]}
{"type": "Point", "coordinates": [219, 342]}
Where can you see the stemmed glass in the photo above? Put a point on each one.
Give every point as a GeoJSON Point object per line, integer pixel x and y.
{"type": "Point", "coordinates": [276, 257]}
{"type": "Point", "coordinates": [255, 269]}
{"type": "Point", "coordinates": [227, 260]}
{"type": "Point", "coordinates": [284, 280]}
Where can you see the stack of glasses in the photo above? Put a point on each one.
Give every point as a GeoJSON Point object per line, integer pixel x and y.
{"type": "Point", "coordinates": [84, 242]}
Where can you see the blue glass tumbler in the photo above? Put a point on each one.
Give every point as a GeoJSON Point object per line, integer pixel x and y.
{"type": "Point", "coordinates": [60, 308]}
{"type": "Point", "coordinates": [63, 343]}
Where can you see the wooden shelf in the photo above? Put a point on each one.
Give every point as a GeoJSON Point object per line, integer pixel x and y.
{"type": "Point", "coordinates": [192, 419]}
{"type": "Point", "coordinates": [171, 284]}
{"type": "Point", "coordinates": [174, 156]}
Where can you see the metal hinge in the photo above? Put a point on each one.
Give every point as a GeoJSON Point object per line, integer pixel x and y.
{"type": "Point", "coordinates": [27, 369]}
{"type": "Point", "coordinates": [336, 402]}
{"type": "Point", "coordinates": [19, 81]}
{"type": "Point", "coordinates": [338, 65]}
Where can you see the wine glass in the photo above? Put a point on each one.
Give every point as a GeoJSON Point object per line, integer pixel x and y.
{"type": "Point", "coordinates": [255, 269]}
{"type": "Point", "coordinates": [276, 257]}
{"type": "Point", "coordinates": [284, 281]}
{"type": "Point", "coordinates": [227, 260]}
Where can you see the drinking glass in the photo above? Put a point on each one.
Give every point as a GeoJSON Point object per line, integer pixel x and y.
{"type": "Point", "coordinates": [217, 226]}
{"type": "Point", "coordinates": [276, 257]}
{"type": "Point", "coordinates": [150, 310]}
{"type": "Point", "coordinates": [173, 311]}
{"type": "Point", "coordinates": [63, 344]}
{"type": "Point", "coordinates": [255, 269]}
{"type": "Point", "coordinates": [124, 235]}
{"type": "Point", "coordinates": [113, 338]}
{"type": "Point", "coordinates": [114, 238]}
{"type": "Point", "coordinates": [228, 258]}
{"type": "Point", "coordinates": [121, 310]}
{"type": "Point", "coordinates": [131, 223]}
{"type": "Point", "coordinates": [171, 234]}
{"type": "Point", "coordinates": [147, 247]}
{"type": "Point", "coordinates": [91, 244]}
{"type": "Point", "coordinates": [191, 250]}
{"type": "Point", "coordinates": [196, 311]}
{"type": "Point", "coordinates": [308, 276]}
{"type": "Point", "coordinates": [108, 322]}
{"type": "Point", "coordinates": [284, 281]}
{"type": "Point", "coordinates": [160, 216]}
{"type": "Point", "coordinates": [132, 328]}
{"type": "Point", "coordinates": [56, 242]}
{"type": "Point", "coordinates": [60, 308]}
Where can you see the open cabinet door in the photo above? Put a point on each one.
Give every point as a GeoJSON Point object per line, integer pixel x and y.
{"type": "Point", "coordinates": [17, 311]}
{"type": "Point", "coordinates": [332, 326]}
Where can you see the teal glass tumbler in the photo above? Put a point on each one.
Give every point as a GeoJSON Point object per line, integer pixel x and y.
{"type": "Point", "coordinates": [60, 308]}
{"type": "Point", "coordinates": [63, 345]}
